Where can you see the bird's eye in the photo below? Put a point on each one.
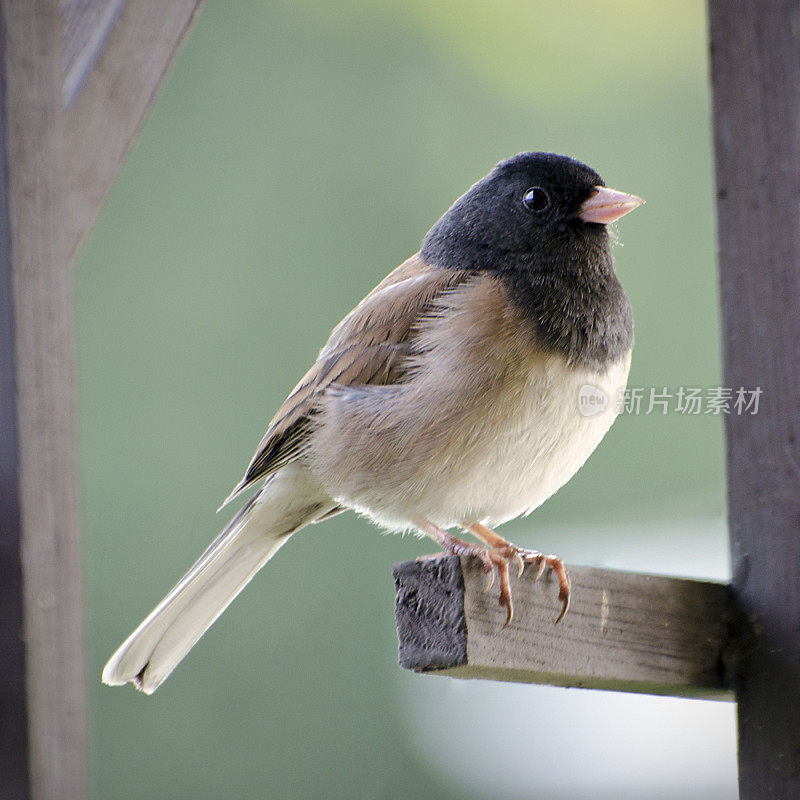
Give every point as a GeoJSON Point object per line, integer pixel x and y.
{"type": "Point", "coordinates": [536, 199]}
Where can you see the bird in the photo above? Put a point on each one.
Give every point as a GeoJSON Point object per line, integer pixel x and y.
{"type": "Point", "coordinates": [447, 398]}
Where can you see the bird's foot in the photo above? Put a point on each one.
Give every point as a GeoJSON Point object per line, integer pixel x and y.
{"type": "Point", "coordinates": [497, 552]}
{"type": "Point", "coordinates": [501, 552]}
{"type": "Point", "coordinates": [454, 546]}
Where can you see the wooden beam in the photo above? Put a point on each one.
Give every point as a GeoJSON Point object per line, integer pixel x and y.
{"type": "Point", "coordinates": [42, 295]}
{"type": "Point", "coordinates": [87, 25]}
{"type": "Point", "coordinates": [102, 121]}
{"type": "Point", "coordinates": [625, 632]}
{"type": "Point", "coordinates": [60, 164]}
{"type": "Point", "coordinates": [755, 60]}
{"type": "Point", "coordinates": [13, 718]}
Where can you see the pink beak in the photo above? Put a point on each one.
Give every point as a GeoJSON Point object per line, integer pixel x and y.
{"type": "Point", "coordinates": [606, 205]}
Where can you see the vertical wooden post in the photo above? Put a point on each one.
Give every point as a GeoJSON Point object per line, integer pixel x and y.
{"type": "Point", "coordinates": [755, 60]}
{"type": "Point", "coordinates": [13, 713]}
{"type": "Point", "coordinates": [55, 669]}
{"type": "Point", "coordinates": [77, 81]}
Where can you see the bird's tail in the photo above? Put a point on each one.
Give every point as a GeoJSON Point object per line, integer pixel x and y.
{"type": "Point", "coordinates": [289, 500]}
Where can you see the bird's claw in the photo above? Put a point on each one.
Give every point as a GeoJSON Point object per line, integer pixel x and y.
{"type": "Point", "coordinates": [498, 560]}
{"type": "Point", "coordinates": [499, 555]}
{"type": "Point", "coordinates": [564, 598]}
{"type": "Point", "coordinates": [505, 585]}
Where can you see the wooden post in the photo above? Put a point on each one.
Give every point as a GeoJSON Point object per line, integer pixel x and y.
{"type": "Point", "coordinates": [13, 719]}
{"type": "Point", "coordinates": [755, 60]}
{"type": "Point", "coordinates": [55, 667]}
{"type": "Point", "coordinates": [77, 81]}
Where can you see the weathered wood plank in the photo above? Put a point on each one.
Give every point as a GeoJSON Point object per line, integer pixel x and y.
{"type": "Point", "coordinates": [61, 163]}
{"type": "Point", "coordinates": [42, 294]}
{"type": "Point", "coordinates": [13, 718]}
{"type": "Point", "coordinates": [86, 25]}
{"type": "Point", "coordinates": [624, 631]}
{"type": "Point", "coordinates": [103, 119]}
{"type": "Point", "coordinates": [755, 59]}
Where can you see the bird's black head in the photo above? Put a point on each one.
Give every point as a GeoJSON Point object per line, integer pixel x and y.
{"type": "Point", "coordinates": [523, 208]}
{"type": "Point", "coordinates": [537, 220]}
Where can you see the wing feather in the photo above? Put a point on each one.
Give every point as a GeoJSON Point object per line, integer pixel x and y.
{"type": "Point", "coordinates": [370, 346]}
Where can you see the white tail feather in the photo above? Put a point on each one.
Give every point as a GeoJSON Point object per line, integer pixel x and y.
{"type": "Point", "coordinates": [290, 500]}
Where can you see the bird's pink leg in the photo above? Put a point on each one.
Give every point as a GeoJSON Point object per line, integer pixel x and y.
{"type": "Point", "coordinates": [505, 550]}
{"type": "Point", "coordinates": [454, 546]}
{"type": "Point", "coordinates": [490, 558]}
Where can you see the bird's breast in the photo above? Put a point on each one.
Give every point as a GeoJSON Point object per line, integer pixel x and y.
{"type": "Point", "coordinates": [535, 439]}
{"type": "Point", "coordinates": [488, 427]}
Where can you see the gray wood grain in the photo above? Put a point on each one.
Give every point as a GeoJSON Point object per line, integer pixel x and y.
{"type": "Point", "coordinates": [624, 631]}
{"type": "Point", "coordinates": [61, 163]}
{"type": "Point", "coordinates": [429, 610]}
{"type": "Point", "coordinates": [755, 49]}
{"type": "Point", "coordinates": [13, 718]}
{"type": "Point", "coordinates": [86, 25]}
{"type": "Point", "coordinates": [102, 122]}
{"type": "Point", "coordinates": [42, 292]}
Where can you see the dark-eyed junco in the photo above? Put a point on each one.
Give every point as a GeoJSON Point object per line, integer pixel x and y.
{"type": "Point", "coordinates": [447, 398]}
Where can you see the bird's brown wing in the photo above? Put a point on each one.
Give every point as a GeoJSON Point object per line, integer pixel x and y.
{"type": "Point", "coordinates": [370, 345]}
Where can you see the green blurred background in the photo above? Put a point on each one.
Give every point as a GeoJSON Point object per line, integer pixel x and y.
{"type": "Point", "coordinates": [297, 152]}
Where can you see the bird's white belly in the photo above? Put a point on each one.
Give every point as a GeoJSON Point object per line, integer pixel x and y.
{"type": "Point", "coordinates": [504, 457]}
{"type": "Point", "coordinates": [538, 445]}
